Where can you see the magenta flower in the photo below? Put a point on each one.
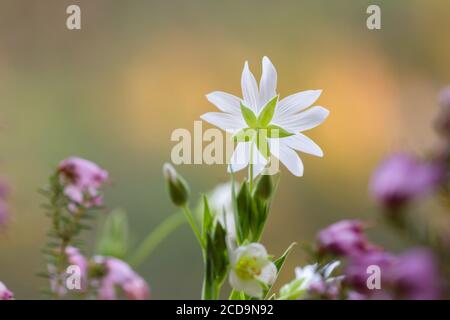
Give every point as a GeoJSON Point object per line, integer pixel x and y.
{"type": "Point", "coordinates": [413, 275]}
{"type": "Point", "coordinates": [345, 238]}
{"type": "Point", "coordinates": [5, 293]}
{"type": "Point", "coordinates": [356, 271]}
{"type": "Point", "coordinates": [119, 275]}
{"type": "Point", "coordinates": [416, 275]}
{"type": "Point", "coordinates": [82, 180]}
{"type": "Point", "coordinates": [402, 178]}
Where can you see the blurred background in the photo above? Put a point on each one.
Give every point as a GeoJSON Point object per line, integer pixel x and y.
{"type": "Point", "coordinates": [114, 91]}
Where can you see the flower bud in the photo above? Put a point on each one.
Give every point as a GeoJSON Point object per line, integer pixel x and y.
{"type": "Point", "coordinates": [178, 188]}
{"type": "Point", "coordinates": [264, 188]}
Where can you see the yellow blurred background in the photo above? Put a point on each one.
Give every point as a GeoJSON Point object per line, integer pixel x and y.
{"type": "Point", "coordinates": [114, 91]}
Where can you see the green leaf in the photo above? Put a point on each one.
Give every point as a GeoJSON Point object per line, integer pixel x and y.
{"type": "Point", "coordinates": [280, 261]}
{"type": "Point", "coordinates": [234, 295]}
{"type": "Point", "coordinates": [207, 218]}
{"type": "Point", "coordinates": [242, 217]}
{"type": "Point", "coordinates": [264, 187]}
{"type": "Point", "coordinates": [292, 290]}
{"type": "Point", "coordinates": [114, 238]}
{"type": "Point", "coordinates": [219, 253]}
{"type": "Point", "coordinates": [249, 116]}
{"type": "Point", "coordinates": [274, 131]}
{"type": "Point", "coordinates": [266, 114]}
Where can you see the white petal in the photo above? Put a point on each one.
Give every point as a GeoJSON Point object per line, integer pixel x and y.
{"type": "Point", "coordinates": [240, 158]}
{"type": "Point", "coordinates": [250, 287]}
{"type": "Point", "coordinates": [255, 250]}
{"type": "Point", "coordinates": [302, 143]}
{"type": "Point", "coordinates": [225, 102]}
{"type": "Point", "coordinates": [268, 273]}
{"type": "Point", "coordinates": [268, 83]}
{"type": "Point", "coordinates": [225, 121]}
{"type": "Point", "coordinates": [287, 156]}
{"type": "Point", "coordinates": [330, 268]}
{"type": "Point", "coordinates": [296, 103]}
{"type": "Point", "coordinates": [302, 121]}
{"type": "Point", "coordinates": [249, 89]}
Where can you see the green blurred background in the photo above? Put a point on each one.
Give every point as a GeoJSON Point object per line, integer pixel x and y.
{"type": "Point", "coordinates": [115, 90]}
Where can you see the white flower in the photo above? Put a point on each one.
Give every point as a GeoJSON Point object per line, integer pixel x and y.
{"type": "Point", "coordinates": [312, 276]}
{"type": "Point", "coordinates": [262, 111]}
{"type": "Point", "coordinates": [251, 270]}
{"type": "Point", "coordinates": [311, 279]}
{"type": "Point", "coordinates": [221, 205]}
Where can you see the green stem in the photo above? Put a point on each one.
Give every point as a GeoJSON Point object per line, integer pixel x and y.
{"type": "Point", "coordinates": [155, 237]}
{"type": "Point", "coordinates": [194, 227]}
{"type": "Point", "coordinates": [250, 170]}
{"type": "Point", "coordinates": [210, 292]}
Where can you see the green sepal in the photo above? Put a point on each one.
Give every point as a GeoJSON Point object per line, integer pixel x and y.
{"type": "Point", "coordinates": [274, 131]}
{"type": "Point", "coordinates": [249, 117]}
{"type": "Point", "coordinates": [267, 112]}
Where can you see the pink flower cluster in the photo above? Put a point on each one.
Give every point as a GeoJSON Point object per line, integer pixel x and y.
{"type": "Point", "coordinates": [119, 275]}
{"type": "Point", "coordinates": [410, 275]}
{"type": "Point", "coordinates": [82, 180]}
{"type": "Point", "coordinates": [116, 277]}
{"type": "Point", "coordinates": [402, 178]}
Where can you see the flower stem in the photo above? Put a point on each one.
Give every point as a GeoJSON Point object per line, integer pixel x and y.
{"type": "Point", "coordinates": [190, 219]}
{"type": "Point", "coordinates": [250, 170]}
{"type": "Point", "coordinates": [155, 237]}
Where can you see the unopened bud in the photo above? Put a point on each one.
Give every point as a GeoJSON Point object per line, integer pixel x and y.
{"type": "Point", "coordinates": [178, 188]}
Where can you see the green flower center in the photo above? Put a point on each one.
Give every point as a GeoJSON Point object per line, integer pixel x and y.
{"type": "Point", "coordinates": [259, 128]}
{"type": "Point", "coordinates": [248, 267]}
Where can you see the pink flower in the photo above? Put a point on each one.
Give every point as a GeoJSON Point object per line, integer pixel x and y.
{"type": "Point", "coordinates": [120, 275]}
{"type": "Point", "coordinates": [345, 237]}
{"type": "Point", "coordinates": [82, 180]}
{"type": "Point", "coordinates": [412, 275]}
{"type": "Point", "coordinates": [5, 293]}
{"type": "Point", "coordinates": [58, 281]}
{"type": "Point", "coordinates": [75, 257]}
{"type": "Point", "coordinates": [402, 178]}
